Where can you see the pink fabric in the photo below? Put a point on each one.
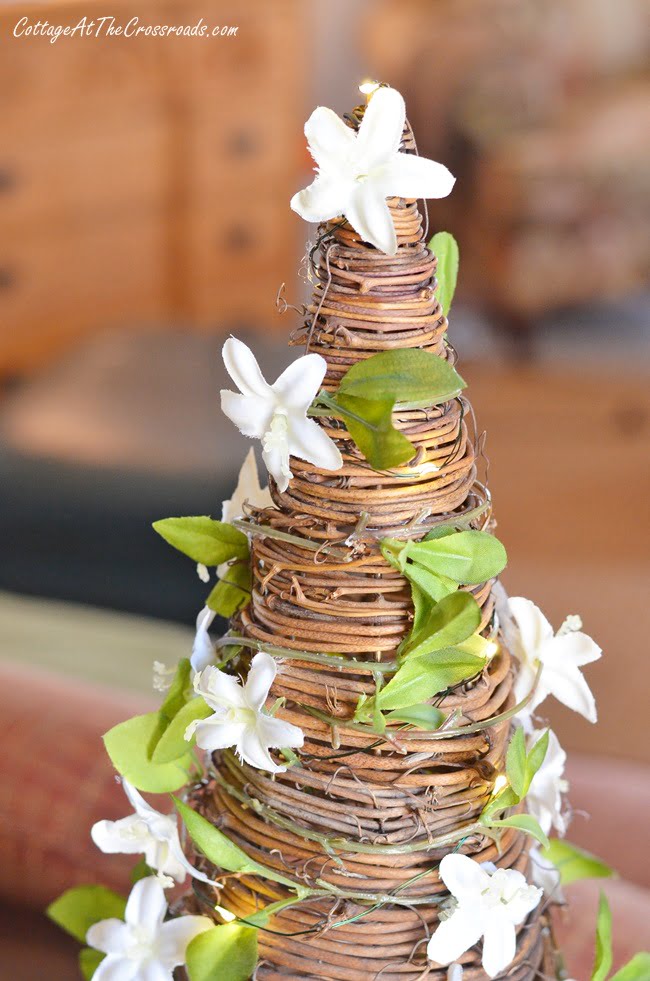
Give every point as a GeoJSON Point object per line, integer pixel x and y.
{"type": "Point", "coordinates": [576, 925]}
{"type": "Point", "coordinates": [56, 781]}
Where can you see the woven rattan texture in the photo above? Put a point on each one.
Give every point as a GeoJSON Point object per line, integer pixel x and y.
{"type": "Point", "coordinates": [385, 797]}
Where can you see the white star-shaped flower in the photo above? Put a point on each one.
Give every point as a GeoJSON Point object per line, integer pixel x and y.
{"type": "Point", "coordinates": [561, 656]}
{"type": "Point", "coordinates": [356, 172]}
{"type": "Point", "coordinates": [146, 832]}
{"type": "Point", "coordinates": [488, 904]}
{"type": "Point", "coordinates": [239, 719]}
{"type": "Point", "coordinates": [277, 414]}
{"type": "Point", "coordinates": [143, 947]}
{"type": "Point", "coordinates": [544, 797]}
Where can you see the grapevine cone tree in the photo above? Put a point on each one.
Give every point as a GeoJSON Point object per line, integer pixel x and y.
{"type": "Point", "coordinates": [359, 787]}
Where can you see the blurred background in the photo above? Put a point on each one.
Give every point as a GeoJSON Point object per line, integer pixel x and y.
{"type": "Point", "coordinates": [144, 188]}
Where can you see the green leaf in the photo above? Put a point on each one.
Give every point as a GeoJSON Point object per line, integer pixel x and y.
{"type": "Point", "coordinates": [372, 430]}
{"type": "Point", "coordinates": [128, 744]}
{"type": "Point", "coordinates": [404, 375]}
{"type": "Point", "coordinates": [525, 822]}
{"type": "Point", "coordinates": [262, 917]}
{"type": "Point", "coordinates": [435, 586]}
{"type": "Point", "coordinates": [505, 799]}
{"type": "Point", "coordinates": [604, 957]}
{"type": "Point", "coordinates": [421, 678]}
{"type": "Point", "coordinates": [89, 961]}
{"type": "Point", "coordinates": [203, 539]}
{"type": "Point", "coordinates": [516, 762]}
{"type": "Point", "coordinates": [467, 557]}
{"type": "Point", "coordinates": [423, 716]}
{"type": "Point", "coordinates": [638, 969]}
{"type": "Point", "coordinates": [172, 745]}
{"type": "Point", "coordinates": [178, 693]}
{"type": "Point", "coordinates": [447, 623]}
{"type": "Point", "coordinates": [535, 759]}
{"type": "Point", "coordinates": [227, 952]}
{"type": "Point", "coordinates": [445, 247]}
{"type": "Point", "coordinates": [77, 909]}
{"type": "Point", "coordinates": [232, 592]}
{"type": "Point", "coordinates": [574, 863]}
{"type": "Point", "coordinates": [220, 850]}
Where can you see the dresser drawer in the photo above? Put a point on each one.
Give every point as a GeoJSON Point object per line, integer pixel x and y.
{"type": "Point", "coordinates": [238, 256]}
{"type": "Point", "coordinates": [54, 285]}
{"type": "Point", "coordinates": [67, 179]}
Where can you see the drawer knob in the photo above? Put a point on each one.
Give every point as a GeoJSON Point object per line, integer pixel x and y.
{"type": "Point", "coordinates": [7, 179]}
{"type": "Point", "coordinates": [7, 278]}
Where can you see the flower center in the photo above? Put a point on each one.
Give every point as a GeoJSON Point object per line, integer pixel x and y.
{"type": "Point", "coordinates": [140, 947]}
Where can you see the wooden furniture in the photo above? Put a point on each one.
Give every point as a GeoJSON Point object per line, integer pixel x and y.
{"type": "Point", "coordinates": [145, 179]}
{"type": "Point", "coordinates": [543, 114]}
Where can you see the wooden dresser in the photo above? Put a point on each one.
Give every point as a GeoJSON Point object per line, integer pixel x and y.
{"type": "Point", "coordinates": [145, 180]}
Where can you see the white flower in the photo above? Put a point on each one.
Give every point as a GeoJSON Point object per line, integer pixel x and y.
{"type": "Point", "coordinates": [202, 572]}
{"type": "Point", "coordinates": [488, 905]}
{"type": "Point", "coordinates": [202, 648]}
{"type": "Point", "coordinates": [545, 874]}
{"type": "Point", "coordinates": [277, 414]}
{"type": "Point", "coordinates": [544, 797]}
{"type": "Point", "coordinates": [144, 947]}
{"type": "Point", "coordinates": [356, 172]}
{"type": "Point", "coordinates": [239, 719]}
{"type": "Point", "coordinates": [248, 489]}
{"type": "Point", "coordinates": [561, 657]}
{"type": "Point", "coordinates": [146, 832]}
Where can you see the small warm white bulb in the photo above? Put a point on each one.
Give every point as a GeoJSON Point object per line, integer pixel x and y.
{"type": "Point", "coordinates": [225, 914]}
{"type": "Point", "coordinates": [369, 87]}
{"type": "Point", "coordinates": [500, 784]}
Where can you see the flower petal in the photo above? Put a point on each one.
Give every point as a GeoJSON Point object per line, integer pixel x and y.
{"type": "Point", "coordinates": [146, 905]}
{"type": "Point", "coordinates": [325, 198]}
{"type": "Point", "coordinates": [330, 139]}
{"type": "Point", "coordinates": [299, 383]}
{"type": "Point", "coordinates": [278, 733]}
{"type": "Point", "coordinates": [382, 126]}
{"type": "Point", "coordinates": [260, 678]}
{"type": "Point", "coordinates": [241, 364]}
{"type": "Point", "coordinates": [410, 176]}
{"type": "Point", "coordinates": [218, 689]}
{"type": "Point", "coordinates": [248, 489]}
{"type": "Point", "coordinates": [369, 215]}
{"type": "Point", "coordinates": [574, 647]}
{"type": "Point", "coordinates": [211, 736]}
{"type": "Point", "coordinates": [464, 878]}
{"type": "Point", "coordinates": [251, 414]}
{"type": "Point", "coordinates": [137, 801]}
{"type": "Point", "coordinates": [499, 943]}
{"type": "Point", "coordinates": [276, 458]}
{"type": "Point", "coordinates": [534, 628]}
{"type": "Point", "coordinates": [109, 936]}
{"type": "Point", "coordinates": [254, 751]}
{"type": "Point", "coordinates": [175, 935]}
{"type": "Point", "coordinates": [128, 836]}
{"type": "Point", "coordinates": [203, 648]}
{"type": "Point", "coordinates": [309, 441]}
{"type": "Point", "coordinates": [154, 971]}
{"type": "Point", "coordinates": [570, 688]}
{"type": "Point", "coordinates": [454, 936]}
{"type": "Point", "coordinates": [116, 968]}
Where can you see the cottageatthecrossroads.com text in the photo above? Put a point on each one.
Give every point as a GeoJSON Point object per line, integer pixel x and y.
{"type": "Point", "coordinates": [110, 27]}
